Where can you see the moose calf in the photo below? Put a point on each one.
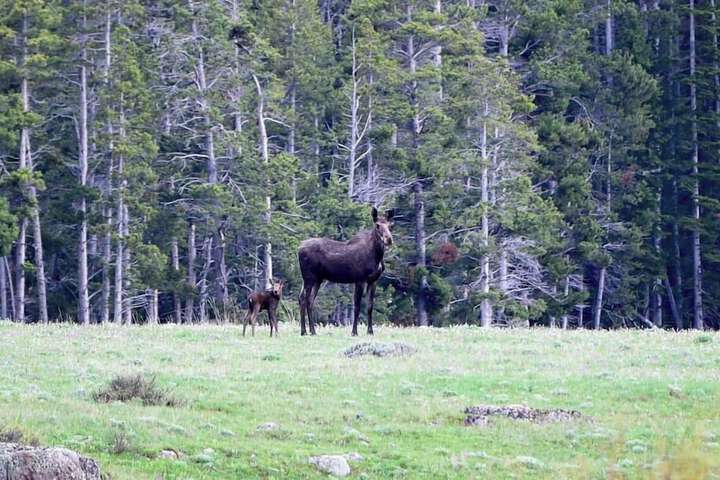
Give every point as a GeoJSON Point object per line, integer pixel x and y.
{"type": "Point", "coordinates": [267, 300]}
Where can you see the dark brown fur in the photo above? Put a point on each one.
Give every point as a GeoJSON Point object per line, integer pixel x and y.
{"type": "Point", "coordinates": [358, 261]}
{"type": "Point", "coordinates": [259, 301]}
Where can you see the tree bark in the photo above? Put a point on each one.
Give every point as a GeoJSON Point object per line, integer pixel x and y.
{"type": "Point", "coordinates": [698, 317]}
{"type": "Point", "coordinates": [207, 261]}
{"type": "Point", "coordinates": [83, 294]}
{"type": "Point", "coordinates": [190, 302]}
{"type": "Point", "coordinates": [176, 295]}
{"type": "Point", "coordinates": [486, 309]}
{"type": "Point", "coordinates": [3, 291]}
{"type": "Point", "coordinates": [266, 160]}
{"type": "Point", "coordinates": [597, 308]}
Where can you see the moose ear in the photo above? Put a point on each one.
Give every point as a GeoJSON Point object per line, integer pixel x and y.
{"type": "Point", "coordinates": [390, 214]}
{"type": "Point", "coordinates": [374, 214]}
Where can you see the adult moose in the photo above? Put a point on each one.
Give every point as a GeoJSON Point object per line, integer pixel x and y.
{"type": "Point", "coordinates": [358, 261]}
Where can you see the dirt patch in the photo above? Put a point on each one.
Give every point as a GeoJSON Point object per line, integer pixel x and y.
{"type": "Point", "coordinates": [394, 349]}
{"type": "Point", "coordinates": [480, 414]}
{"type": "Point", "coordinates": [131, 387]}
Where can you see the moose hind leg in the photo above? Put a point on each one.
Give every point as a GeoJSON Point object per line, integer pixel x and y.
{"type": "Point", "coordinates": [311, 301]}
{"type": "Point", "coordinates": [303, 308]}
{"type": "Point", "coordinates": [371, 303]}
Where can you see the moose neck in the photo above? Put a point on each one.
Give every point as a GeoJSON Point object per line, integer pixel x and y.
{"type": "Point", "coordinates": [378, 244]}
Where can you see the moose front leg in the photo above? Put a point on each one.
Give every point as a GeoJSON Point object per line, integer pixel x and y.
{"type": "Point", "coordinates": [357, 303]}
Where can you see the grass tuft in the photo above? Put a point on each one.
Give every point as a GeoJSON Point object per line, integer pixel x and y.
{"type": "Point", "coordinates": [12, 434]}
{"type": "Point", "coordinates": [125, 388]}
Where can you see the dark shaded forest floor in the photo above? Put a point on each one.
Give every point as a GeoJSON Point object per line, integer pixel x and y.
{"type": "Point", "coordinates": [260, 407]}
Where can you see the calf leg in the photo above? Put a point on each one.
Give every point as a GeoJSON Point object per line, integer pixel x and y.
{"type": "Point", "coordinates": [247, 317]}
{"type": "Point", "coordinates": [357, 303]}
{"type": "Point", "coordinates": [371, 303]}
{"type": "Point", "coordinates": [272, 316]}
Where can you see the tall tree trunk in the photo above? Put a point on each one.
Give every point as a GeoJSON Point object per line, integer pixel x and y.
{"type": "Point", "coordinates": [419, 204]}
{"type": "Point", "coordinates": [107, 193]}
{"type": "Point", "coordinates": [222, 270]}
{"type": "Point", "coordinates": [486, 309]}
{"type": "Point", "coordinates": [597, 308]}
{"type": "Point", "coordinates": [120, 254]}
{"type": "Point", "coordinates": [127, 307]}
{"type": "Point", "coordinates": [266, 160]}
{"type": "Point", "coordinates": [192, 281]}
{"type": "Point", "coordinates": [566, 294]}
{"type": "Point", "coordinates": [3, 291]}
{"type": "Point", "coordinates": [207, 261]}
{"type": "Point", "coordinates": [83, 293]}
{"type": "Point", "coordinates": [9, 284]}
{"type": "Point", "coordinates": [25, 161]}
{"type": "Point", "coordinates": [698, 317]}
{"type": "Point", "coordinates": [176, 295]}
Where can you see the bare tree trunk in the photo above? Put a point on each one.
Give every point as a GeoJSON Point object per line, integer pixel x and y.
{"type": "Point", "coordinates": [107, 210]}
{"type": "Point", "coordinates": [25, 161]}
{"type": "Point", "coordinates": [419, 205]}
{"type": "Point", "coordinates": [207, 261]}
{"type": "Point", "coordinates": [486, 310]}
{"type": "Point", "coordinates": [20, 246]}
{"type": "Point", "coordinates": [127, 307]}
{"type": "Point", "coordinates": [83, 293]}
{"type": "Point", "coordinates": [222, 269]}
{"type": "Point", "coordinates": [581, 308]}
{"type": "Point", "coordinates": [3, 291]}
{"type": "Point", "coordinates": [150, 298]}
{"type": "Point", "coordinates": [597, 308]}
{"type": "Point", "coordinates": [192, 281]}
{"type": "Point", "coordinates": [9, 281]}
{"type": "Point", "coordinates": [266, 161]}
{"type": "Point", "coordinates": [698, 317]}
{"type": "Point", "coordinates": [673, 306]}
{"type": "Point", "coordinates": [566, 293]}
{"type": "Point", "coordinates": [176, 295]}
{"type": "Point", "coordinates": [657, 312]}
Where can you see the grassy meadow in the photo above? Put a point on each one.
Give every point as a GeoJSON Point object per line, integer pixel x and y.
{"type": "Point", "coordinates": [653, 399]}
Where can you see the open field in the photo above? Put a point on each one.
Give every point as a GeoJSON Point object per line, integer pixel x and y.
{"type": "Point", "coordinates": [654, 399]}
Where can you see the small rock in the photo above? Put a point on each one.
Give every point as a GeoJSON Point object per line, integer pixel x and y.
{"type": "Point", "coordinates": [169, 454]}
{"type": "Point", "coordinates": [353, 457]}
{"type": "Point", "coordinates": [530, 462]}
{"type": "Point", "coordinates": [335, 465]}
{"type": "Point", "coordinates": [676, 391]}
{"type": "Point", "coordinates": [268, 427]}
{"type": "Point", "coordinates": [227, 433]}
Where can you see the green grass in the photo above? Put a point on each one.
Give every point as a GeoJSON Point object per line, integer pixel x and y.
{"type": "Point", "coordinates": [654, 399]}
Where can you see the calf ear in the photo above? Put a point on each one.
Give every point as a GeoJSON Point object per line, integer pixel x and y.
{"type": "Point", "coordinates": [374, 214]}
{"type": "Point", "coordinates": [390, 214]}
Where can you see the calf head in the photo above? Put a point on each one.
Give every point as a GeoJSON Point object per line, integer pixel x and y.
{"type": "Point", "coordinates": [277, 288]}
{"type": "Point", "coordinates": [383, 225]}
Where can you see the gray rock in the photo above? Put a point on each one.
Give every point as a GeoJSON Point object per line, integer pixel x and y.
{"type": "Point", "coordinates": [353, 457]}
{"type": "Point", "coordinates": [268, 427]}
{"type": "Point", "coordinates": [169, 454]}
{"type": "Point", "coordinates": [20, 462]}
{"type": "Point", "coordinates": [335, 465]}
{"type": "Point", "coordinates": [394, 349]}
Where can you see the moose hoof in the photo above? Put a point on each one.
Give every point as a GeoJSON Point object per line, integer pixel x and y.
{"type": "Point", "coordinates": [370, 332]}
